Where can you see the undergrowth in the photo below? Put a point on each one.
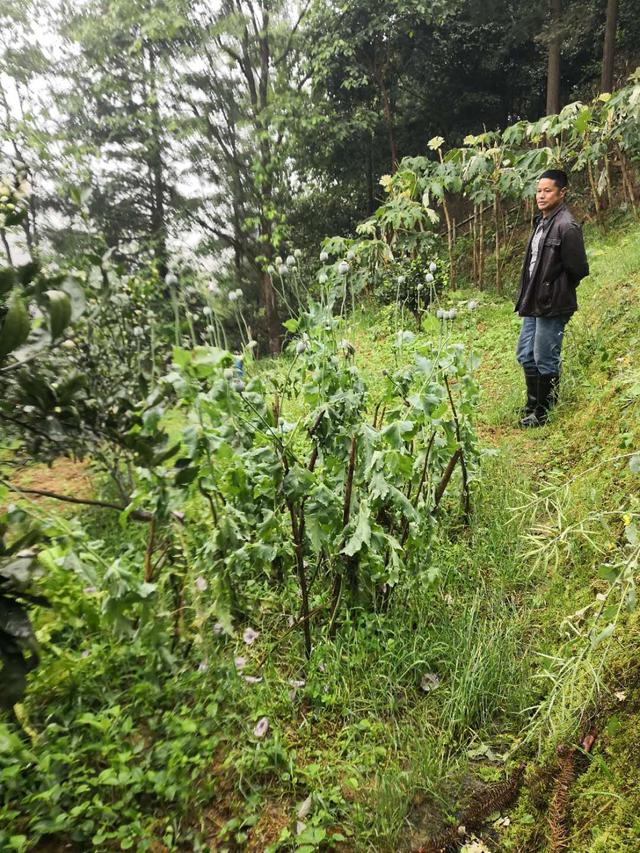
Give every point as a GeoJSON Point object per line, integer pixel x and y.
{"type": "Point", "coordinates": [492, 657]}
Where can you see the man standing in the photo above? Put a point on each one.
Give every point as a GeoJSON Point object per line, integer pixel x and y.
{"type": "Point", "coordinates": [555, 263]}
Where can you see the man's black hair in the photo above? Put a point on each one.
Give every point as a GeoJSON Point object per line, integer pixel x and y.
{"type": "Point", "coordinates": [558, 176]}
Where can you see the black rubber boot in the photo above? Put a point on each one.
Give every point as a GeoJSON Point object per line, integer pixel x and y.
{"type": "Point", "coordinates": [531, 378]}
{"type": "Point", "coordinates": [546, 396]}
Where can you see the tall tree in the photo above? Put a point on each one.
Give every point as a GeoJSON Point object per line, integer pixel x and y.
{"type": "Point", "coordinates": [608, 55]}
{"type": "Point", "coordinates": [553, 65]}
{"type": "Point", "coordinates": [241, 86]}
{"type": "Point", "coordinates": [114, 109]}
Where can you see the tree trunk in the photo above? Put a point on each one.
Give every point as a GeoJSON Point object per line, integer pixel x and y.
{"type": "Point", "coordinates": [266, 202]}
{"type": "Point", "coordinates": [553, 67]}
{"type": "Point", "coordinates": [371, 198]}
{"type": "Point", "coordinates": [608, 54]}
{"type": "Point", "coordinates": [388, 117]}
{"type": "Point", "coordinates": [7, 247]}
{"type": "Point", "coordinates": [156, 168]}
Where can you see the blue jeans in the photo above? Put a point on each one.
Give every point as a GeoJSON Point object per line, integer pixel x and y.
{"type": "Point", "coordinates": [540, 343]}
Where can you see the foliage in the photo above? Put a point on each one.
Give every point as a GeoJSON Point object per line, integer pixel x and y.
{"type": "Point", "coordinates": [324, 488]}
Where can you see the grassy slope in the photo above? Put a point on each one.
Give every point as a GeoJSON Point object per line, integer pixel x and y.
{"type": "Point", "coordinates": [386, 763]}
{"type": "Point", "coordinates": [598, 419]}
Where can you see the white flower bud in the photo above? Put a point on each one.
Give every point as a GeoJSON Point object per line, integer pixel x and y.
{"type": "Point", "coordinates": [324, 257]}
{"type": "Point", "coordinates": [433, 266]}
{"type": "Point", "coordinates": [429, 278]}
{"type": "Point", "coordinates": [171, 279]}
{"type": "Point", "coordinates": [291, 261]}
{"type": "Point", "coordinates": [301, 347]}
{"type": "Point", "coordinates": [238, 385]}
{"type": "Point", "coordinates": [343, 267]}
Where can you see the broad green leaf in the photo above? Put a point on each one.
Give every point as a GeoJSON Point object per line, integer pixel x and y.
{"type": "Point", "coordinates": [59, 311]}
{"type": "Point", "coordinates": [182, 357]}
{"type": "Point", "coordinates": [15, 328]}
{"type": "Point", "coordinates": [75, 292]}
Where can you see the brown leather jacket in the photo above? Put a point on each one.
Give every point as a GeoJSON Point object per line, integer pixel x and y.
{"type": "Point", "coordinates": [550, 290]}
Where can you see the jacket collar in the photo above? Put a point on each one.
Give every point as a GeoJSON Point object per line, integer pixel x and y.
{"type": "Point", "coordinates": [539, 218]}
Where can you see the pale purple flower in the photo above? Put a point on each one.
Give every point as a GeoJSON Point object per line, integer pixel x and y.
{"type": "Point", "coordinates": [203, 666]}
{"type": "Point", "coordinates": [253, 679]}
{"type": "Point", "coordinates": [201, 583]}
{"type": "Point", "coordinates": [240, 662]}
{"type": "Point", "coordinates": [262, 727]}
{"type": "Point", "coordinates": [89, 590]}
{"type": "Point", "coordinates": [218, 629]}
{"type": "Point", "coordinates": [296, 682]}
{"type": "Point", "coordinates": [250, 636]}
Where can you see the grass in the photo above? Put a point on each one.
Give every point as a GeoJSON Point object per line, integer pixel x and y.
{"type": "Point", "coordinates": [489, 628]}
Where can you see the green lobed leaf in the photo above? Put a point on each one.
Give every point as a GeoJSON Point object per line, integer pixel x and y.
{"type": "Point", "coordinates": [362, 533]}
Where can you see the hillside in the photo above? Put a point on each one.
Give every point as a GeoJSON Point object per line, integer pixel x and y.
{"type": "Point", "coordinates": [513, 644]}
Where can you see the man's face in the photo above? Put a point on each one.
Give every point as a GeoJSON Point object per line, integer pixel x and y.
{"type": "Point", "coordinates": [549, 196]}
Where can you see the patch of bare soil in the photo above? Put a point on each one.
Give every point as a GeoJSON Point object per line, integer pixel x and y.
{"type": "Point", "coordinates": [62, 477]}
